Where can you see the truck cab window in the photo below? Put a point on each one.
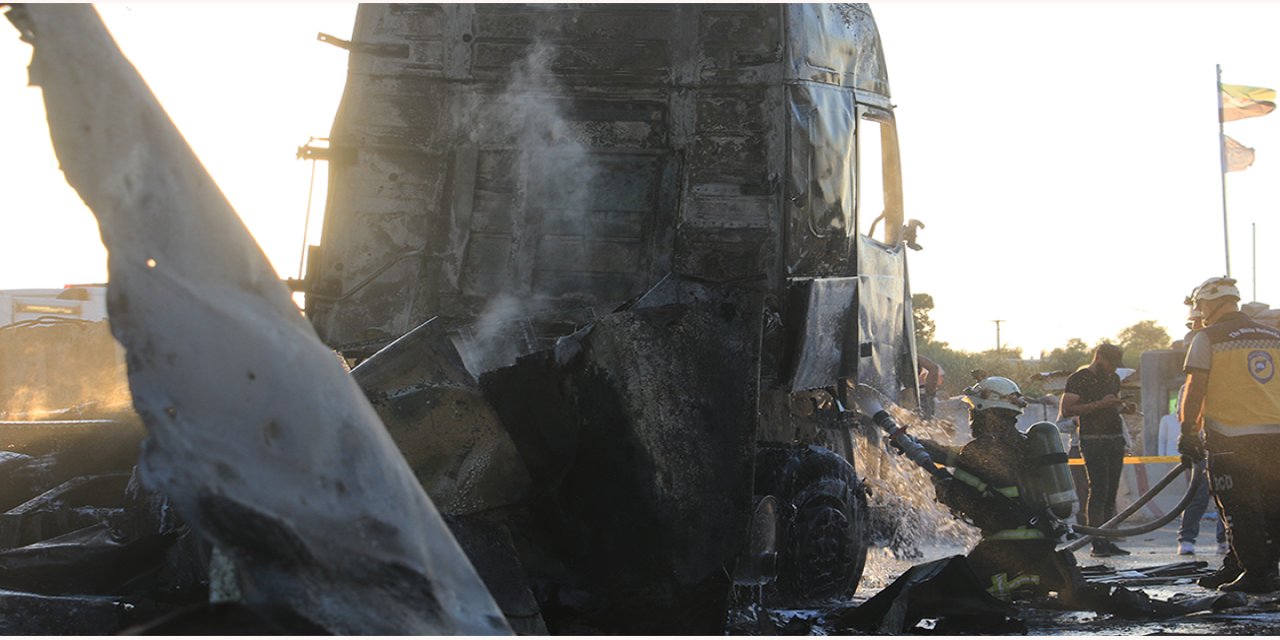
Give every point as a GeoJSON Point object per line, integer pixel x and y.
{"type": "Point", "coordinates": [879, 180]}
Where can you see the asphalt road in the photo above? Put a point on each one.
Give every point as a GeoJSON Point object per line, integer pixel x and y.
{"type": "Point", "coordinates": [1261, 616]}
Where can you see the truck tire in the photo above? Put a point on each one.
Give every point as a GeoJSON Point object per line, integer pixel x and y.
{"type": "Point", "coordinates": [824, 542]}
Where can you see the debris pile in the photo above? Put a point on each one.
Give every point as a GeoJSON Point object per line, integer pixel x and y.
{"type": "Point", "coordinates": [84, 549]}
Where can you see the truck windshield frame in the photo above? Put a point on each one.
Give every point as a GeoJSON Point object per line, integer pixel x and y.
{"type": "Point", "coordinates": [887, 167]}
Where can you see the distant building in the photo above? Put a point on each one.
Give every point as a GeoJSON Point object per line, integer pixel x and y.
{"type": "Point", "coordinates": [79, 302]}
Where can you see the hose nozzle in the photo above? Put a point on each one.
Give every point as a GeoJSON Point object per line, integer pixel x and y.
{"type": "Point", "coordinates": [869, 404]}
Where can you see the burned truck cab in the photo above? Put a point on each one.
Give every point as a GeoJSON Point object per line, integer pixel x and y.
{"type": "Point", "coordinates": [625, 251]}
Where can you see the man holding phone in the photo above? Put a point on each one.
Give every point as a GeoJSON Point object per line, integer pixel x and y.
{"type": "Point", "coordinates": [1093, 395]}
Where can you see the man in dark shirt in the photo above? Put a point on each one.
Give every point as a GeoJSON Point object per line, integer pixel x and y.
{"type": "Point", "coordinates": [1093, 395]}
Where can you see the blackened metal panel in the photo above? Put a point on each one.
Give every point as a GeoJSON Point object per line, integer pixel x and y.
{"type": "Point", "coordinates": [588, 42]}
{"type": "Point", "coordinates": [883, 305]}
{"type": "Point", "coordinates": [519, 151]}
{"type": "Point", "coordinates": [503, 125]}
{"type": "Point", "coordinates": [388, 181]}
{"type": "Point", "coordinates": [821, 187]}
{"type": "Point", "coordinates": [729, 224]}
{"type": "Point", "coordinates": [828, 331]}
{"type": "Point", "coordinates": [433, 410]}
{"type": "Point", "coordinates": [837, 44]}
{"type": "Point", "coordinates": [640, 431]}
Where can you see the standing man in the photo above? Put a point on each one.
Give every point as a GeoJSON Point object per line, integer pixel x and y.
{"type": "Point", "coordinates": [1093, 395]}
{"type": "Point", "coordinates": [1231, 408]}
{"type": "Point", "coordinates": [930, 377]}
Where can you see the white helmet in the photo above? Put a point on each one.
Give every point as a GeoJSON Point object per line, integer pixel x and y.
{"type": "Point", "coordinates": [995, 392]}
{"type": "Point", "coordinates": [1215, 288]}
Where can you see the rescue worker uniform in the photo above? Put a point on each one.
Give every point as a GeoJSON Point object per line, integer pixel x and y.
{"type": "Point", "coordinates": [989, 488]}
{"type": "Point", "coordinates": [1016, 553]}
{"type": "Point", "coordinates": [1241, 423]}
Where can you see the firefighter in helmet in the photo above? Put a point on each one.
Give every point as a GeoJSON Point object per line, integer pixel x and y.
{"type": "Point", "coordinates": [991, 488]}
{"type": "Point", "coordinates": [1016, 488]}
{"type": "Point", "coordinates": [1231, 410]}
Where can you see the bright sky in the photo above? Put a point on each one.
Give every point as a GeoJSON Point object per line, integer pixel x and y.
{"type": "Point", "coordinates": [1065, 160]}
{"type": "Point", "coordinates": [1064, 157]}
{"type": "Point", "coordinates": [247, 84]}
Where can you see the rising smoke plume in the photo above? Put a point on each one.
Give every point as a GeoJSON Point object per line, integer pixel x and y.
{"type": "Point", "coordinates": [553, 173]}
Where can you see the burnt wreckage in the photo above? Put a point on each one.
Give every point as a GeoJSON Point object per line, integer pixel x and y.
{"type": "Point", "coordinates": [621, 244]}
{"type": "Point", "coordinates": [609, 278]}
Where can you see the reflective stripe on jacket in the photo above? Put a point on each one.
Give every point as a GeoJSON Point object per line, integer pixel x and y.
{"type": "Point", "coordinates": [1020, 533]}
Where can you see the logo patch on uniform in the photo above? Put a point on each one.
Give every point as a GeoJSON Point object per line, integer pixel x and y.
{"type": "Point", "coordinates": [1261, 366]}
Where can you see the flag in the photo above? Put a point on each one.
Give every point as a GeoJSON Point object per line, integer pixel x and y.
{"type": "Point", "coordinates": [1239, 157]}
{"type": "Point", "coordinates": [1239, 101]}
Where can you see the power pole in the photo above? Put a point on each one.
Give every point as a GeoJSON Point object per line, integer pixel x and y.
{"type": "Point", "coordinates": [997, 335]}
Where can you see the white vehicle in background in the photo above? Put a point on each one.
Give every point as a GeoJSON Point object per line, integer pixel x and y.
{"type": "Point", "coordinates": [63, 388]}
{"type": "Point", "coordinates": [79, 302]}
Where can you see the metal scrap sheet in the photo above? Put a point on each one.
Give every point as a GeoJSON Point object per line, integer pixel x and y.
{"type": "Point", "coordinates": [883, 309]}
{"type": "Point", "coordinates": [259, 437]}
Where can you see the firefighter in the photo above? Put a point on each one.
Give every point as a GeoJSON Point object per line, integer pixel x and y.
{"type": "Point", "coordinates": [1231, 408]}
{"type": "Point", "coordinates": [1016, 490]}
{"type": "Point", "coordinates": [988, 489]}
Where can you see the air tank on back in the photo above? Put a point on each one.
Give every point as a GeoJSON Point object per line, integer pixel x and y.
{"type": "Point", "coordinates": [1050, 483]}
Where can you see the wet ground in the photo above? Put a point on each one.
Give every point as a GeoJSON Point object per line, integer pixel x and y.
{"type": "Point", "coordinates": [1261, 616]}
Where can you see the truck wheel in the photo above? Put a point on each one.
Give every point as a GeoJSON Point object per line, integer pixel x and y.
{"type": "Point", "coordinates": [824, 545]}
{"type": "Point", "coordinates": [825, 549]}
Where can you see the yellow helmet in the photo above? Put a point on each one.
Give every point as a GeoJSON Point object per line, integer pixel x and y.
{"type": "Point", "coordinates": [995, 392]}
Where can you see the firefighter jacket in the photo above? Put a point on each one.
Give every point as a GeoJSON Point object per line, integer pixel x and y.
{"type": "Point", "coordinates": [1244, 392]}
{"type": "Point", "coordinates": [985, 489]}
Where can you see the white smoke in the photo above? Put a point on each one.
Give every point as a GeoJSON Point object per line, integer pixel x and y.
{"type": "Point", "coordinates": [554, 172]}
{"type": "Point", "coordinates": [496, 338]}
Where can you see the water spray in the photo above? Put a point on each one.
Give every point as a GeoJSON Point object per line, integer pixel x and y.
{"type": "Point", "coordinates": [868, 401]}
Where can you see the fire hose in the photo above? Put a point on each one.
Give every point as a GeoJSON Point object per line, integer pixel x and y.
{"type": "Point", "coordinates": [869, 404]}
{"type": "Point", "coordinates": [1108, 530]}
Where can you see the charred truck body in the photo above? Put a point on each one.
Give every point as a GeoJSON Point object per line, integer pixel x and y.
{"type": "Point", "coordinates": [603, 271]}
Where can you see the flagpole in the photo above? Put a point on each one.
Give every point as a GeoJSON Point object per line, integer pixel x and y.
{"type": "Point", "coordinates": [1255, 262]}
{"type": "Point", "coordinates": [1221, 152]}
{"type": "Point", "coordinates": [1222, 157]}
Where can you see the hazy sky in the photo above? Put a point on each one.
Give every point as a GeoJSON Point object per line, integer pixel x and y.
{"type": "Point", "coordinates": [1063, 157]}
{"type": "Point", "coordinates": [1065, 160]}
{"type": "Point", "coordinates": [247, 84]}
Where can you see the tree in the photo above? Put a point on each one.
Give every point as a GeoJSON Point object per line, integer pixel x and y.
{"type": "Point", "coordinates": [1069, 358]}
{"type": "Point", "coordinates": [921, 305]}
{"type": "Point", "coordinates": [1141, 337]}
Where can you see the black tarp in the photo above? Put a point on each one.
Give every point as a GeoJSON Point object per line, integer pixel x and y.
{"type": "Point", "coordinates": [944, 589]}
